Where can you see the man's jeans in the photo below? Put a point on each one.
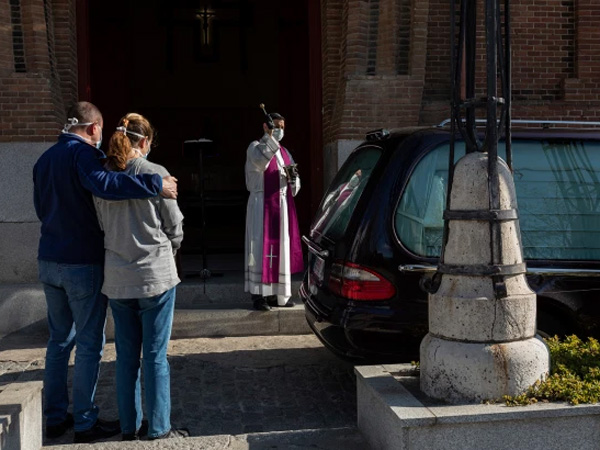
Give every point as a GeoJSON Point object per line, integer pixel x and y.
{"type": "Point", "coordinates": [76, 317]}
{"type": "Point", "coordinates": [144, 323]}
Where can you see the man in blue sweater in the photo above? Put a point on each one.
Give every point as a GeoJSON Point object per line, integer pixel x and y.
{"type": "Point", "coordinates": [71, 265]}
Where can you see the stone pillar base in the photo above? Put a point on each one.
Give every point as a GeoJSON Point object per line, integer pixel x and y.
{"type": "Point", "coordinates": [466, 372]}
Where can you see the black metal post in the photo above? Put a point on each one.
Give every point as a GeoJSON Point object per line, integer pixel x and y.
{"type": "Point", "coordinates": [464, 105]}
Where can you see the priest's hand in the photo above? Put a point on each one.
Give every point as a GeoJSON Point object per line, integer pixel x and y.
{"type": "Point", "coordinates": [169, 187]}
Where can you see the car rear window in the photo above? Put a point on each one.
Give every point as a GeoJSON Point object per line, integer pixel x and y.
{"type": "Point", "coordinates": [558, 196]}
{"type": "Point", "coordinates": [343, 194]}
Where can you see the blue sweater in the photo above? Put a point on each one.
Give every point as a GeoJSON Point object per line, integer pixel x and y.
{"type": "Point", "coordinates": [64, 179]}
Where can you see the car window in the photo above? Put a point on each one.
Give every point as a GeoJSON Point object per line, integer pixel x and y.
{"type": "Point", "coordinates": [558, 196]}
{"type": "Point", "coordinates": [341, 198]}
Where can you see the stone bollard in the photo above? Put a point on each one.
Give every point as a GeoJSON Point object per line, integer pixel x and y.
{"type": "Point", "coordinates": [481, 345]}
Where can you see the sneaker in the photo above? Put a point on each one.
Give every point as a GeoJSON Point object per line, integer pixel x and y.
{"type": "Point", "coordinates": [102, 429]}
{"type": "Point", "coordinates": [142, 432]}
{"type": "Point", "coordinates": [55, 431]}
{"type": "Point", "coordinates": [173, 433]}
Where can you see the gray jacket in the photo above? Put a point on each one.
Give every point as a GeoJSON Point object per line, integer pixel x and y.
{"type": "Point", "coordinates": [140, 241]}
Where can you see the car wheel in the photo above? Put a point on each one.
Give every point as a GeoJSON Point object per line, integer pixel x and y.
{"type": "Point", "coordinates": [549, 325]}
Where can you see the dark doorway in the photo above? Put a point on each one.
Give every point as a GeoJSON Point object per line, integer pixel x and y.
{"type": "Point", "coordinates": [198, 70]}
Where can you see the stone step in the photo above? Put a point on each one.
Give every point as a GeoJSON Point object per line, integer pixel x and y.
{"type": "Point", "coordinates": [324, 439]}
{"type": "Point", "coordinates": [216, 307]}
{"type": "Point", "coordinates": [231, 320]}
{"type": "Point", "coordinates": [21, 416]}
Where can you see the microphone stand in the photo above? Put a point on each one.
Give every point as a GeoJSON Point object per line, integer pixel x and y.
{"type": "Point", "coordinates": [205, 273]}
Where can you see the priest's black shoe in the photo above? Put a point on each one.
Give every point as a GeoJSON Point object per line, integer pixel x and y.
{"type": "Point", "coordinates": [102, 429]}
{"type": "Point", "coordinates": [142, 432]}
{"type": "Point", "coordinates": [261, 304]}
{"type": "Point", "coordinates": [272, 301]}
{"type": "Point", "coordinates": [55, 431]}
{"type": "Point", "coordinates": [173, 433]}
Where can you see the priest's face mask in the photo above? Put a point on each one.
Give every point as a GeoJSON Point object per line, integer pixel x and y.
{"type": "Point", "coordinates": [278, 129]}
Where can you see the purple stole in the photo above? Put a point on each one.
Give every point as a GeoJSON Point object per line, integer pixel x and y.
{"type": "Point", "coordinates": [272, 225]}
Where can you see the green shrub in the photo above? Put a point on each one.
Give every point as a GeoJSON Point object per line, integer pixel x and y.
{"type": "Point", "coordinates": [574, 376]}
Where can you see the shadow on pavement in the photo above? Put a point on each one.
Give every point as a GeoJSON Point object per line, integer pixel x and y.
{"type": "Point", "coordinates": [30, 337]}
{"type": "Point", "coordinates": [239, 391]}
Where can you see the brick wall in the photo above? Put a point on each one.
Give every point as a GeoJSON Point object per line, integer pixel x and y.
{"type": "Point", "coordinates": [65, 48]}
{"type": "Point", "coordinates": [39, 73]}
{"type": "Point", "coordinates": [331, 49]}
{"type": "Point", "coordinates": [555, 63]}
{"type": "Point", "coordinates": [364, 85]}
{"type": "Point", "coordinates": [555, 60]}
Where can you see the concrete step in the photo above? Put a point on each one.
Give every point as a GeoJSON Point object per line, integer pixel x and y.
{"type": "Point", "coordinates": [215, 307]}
{"type": "Point", "coordinates": [21, 416]}
{"type": "Point", "coordinates": [231, 320]}
{"type": "Point", "coordinates": [205, 307]}
{"type": "Point", "coordinates": [323, 439]}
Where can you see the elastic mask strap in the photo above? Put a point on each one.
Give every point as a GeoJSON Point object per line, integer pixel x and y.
{"type": "Point", "coordinates": [73, 122]}
{"type": "Point", "coordinates": [141, 154]}
{"type": "Point", "coordinates": [126, 131]}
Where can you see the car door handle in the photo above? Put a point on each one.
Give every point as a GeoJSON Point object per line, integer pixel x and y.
{"type": "Point", "coordinates": [416, 268]}
{"type": "Point", "coordinates": [313, 248]}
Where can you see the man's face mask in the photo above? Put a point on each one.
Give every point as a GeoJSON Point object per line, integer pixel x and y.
{"type": "Point", "coordinates": [99, 143]}
{"type": "Point", "coordinates": [278, 134]}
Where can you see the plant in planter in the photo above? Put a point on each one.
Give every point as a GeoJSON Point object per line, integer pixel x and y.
{"type": "Point", "coordinates": [574, 377]}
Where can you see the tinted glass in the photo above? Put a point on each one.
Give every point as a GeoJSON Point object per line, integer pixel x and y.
{"type": "Point", "coordinates": [342, 196]}
{"type": "Point", "coordinates": [558, 195]}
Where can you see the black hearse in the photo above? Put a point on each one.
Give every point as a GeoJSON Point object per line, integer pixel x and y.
{"type": "Point", "coordinates": [375, 240]}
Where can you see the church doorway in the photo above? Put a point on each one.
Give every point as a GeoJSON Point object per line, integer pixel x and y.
{"type": "Point", "coordinates": [199, 70]}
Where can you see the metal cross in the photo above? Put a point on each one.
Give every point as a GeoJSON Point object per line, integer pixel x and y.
{"type": "Point", "coordinates": [205, 17]}
{"type": "Point", "coordinates": [271, 256]}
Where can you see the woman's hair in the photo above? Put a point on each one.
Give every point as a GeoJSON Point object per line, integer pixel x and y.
{"type": "Point", "coordinates": [131, 130]}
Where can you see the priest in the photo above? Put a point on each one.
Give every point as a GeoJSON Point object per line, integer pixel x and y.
{"type": "Point", "coordinates": [272, 248]}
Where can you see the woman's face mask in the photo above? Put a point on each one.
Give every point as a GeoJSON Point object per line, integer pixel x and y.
{"type": "Point", "coordinates": [142, 155]}
{"type": "Point", "coordinates": [278, 134]}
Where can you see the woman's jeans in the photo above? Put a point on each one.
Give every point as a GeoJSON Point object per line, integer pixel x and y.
{"type": "Point", "coordinates": [144, 323]}
{"type": "Point", "coordinates": [76, 317]}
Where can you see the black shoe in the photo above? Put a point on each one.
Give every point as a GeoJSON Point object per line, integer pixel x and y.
{"type": "Point", "coordinates": [261, 304]}
{"type": "Point", "coordinates": [142, 432]}
{"type": "Point", "coordinates": [272, 300]}
{"type": "Point", "coordinates": [173, 433]}
{"type": "Point", "coordinates": [102, 429]}
{"type": "Point", "coordinates": [55, 431]}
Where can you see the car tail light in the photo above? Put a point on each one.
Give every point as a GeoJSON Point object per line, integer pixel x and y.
{"type": "Point", "coordinates": [355, 282]}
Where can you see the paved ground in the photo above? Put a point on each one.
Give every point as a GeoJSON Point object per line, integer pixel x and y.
{"type": "Point", "coordinates": [277, 389]}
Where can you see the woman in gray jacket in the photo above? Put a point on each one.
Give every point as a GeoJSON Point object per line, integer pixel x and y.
{"type": "Point", "coordinates": [140, 275]}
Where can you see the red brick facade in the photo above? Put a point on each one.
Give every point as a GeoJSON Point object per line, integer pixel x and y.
{"type": "Point", "coordinates": [385, 64]}
{"type": "Point", "coordinates": [38, 72]}
{"type": "Point", "coordinates": [355, 101]}
{"type": "Point", "coordinates": [555, 66]}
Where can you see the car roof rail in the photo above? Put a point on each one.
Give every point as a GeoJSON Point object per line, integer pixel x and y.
{"type": "Point", "coordinates": [377, 135]}
{"type": "Point", "coordinates": [542, 123]}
